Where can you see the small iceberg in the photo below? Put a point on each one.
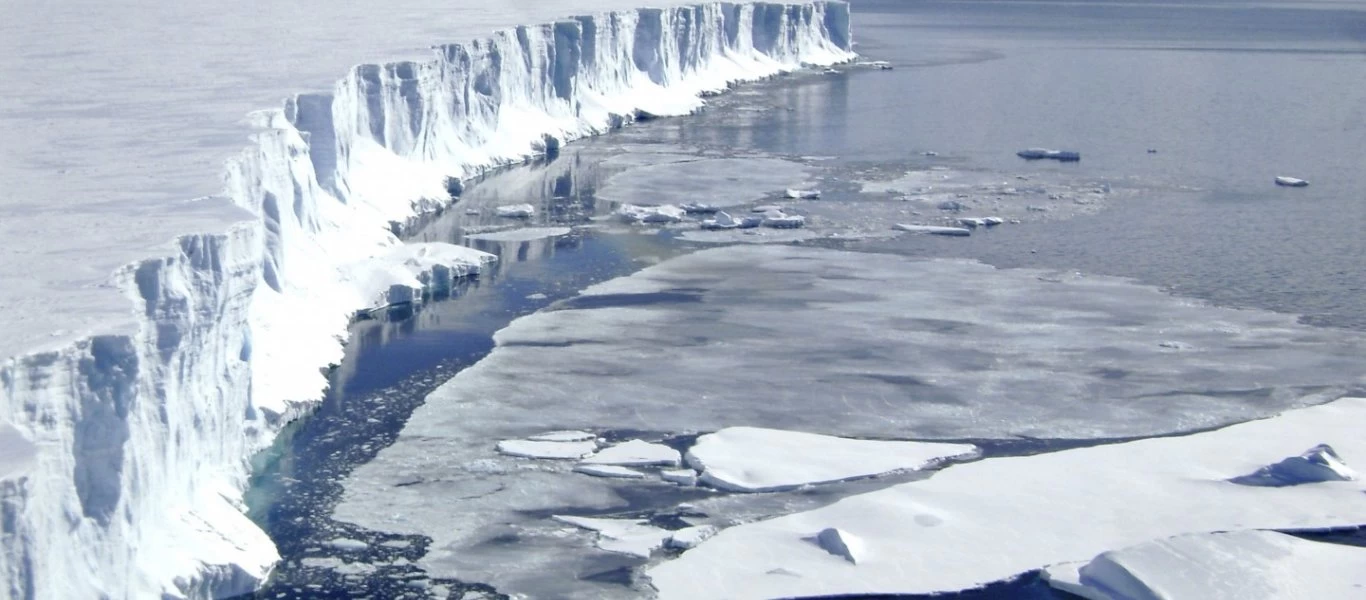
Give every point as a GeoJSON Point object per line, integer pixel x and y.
{"type": "Point", "coordinates": [933, 230]}
{"type": "Point", "coordinates": [632, 213]}
{"type": "Point", "coordinates": [802, 194]}
{"type": "Point", "coordinates": [1059, 155]}
{"type": "Point", "coordinates": [516, 211]}
{"type": "Point", "coordinates": [1291, 182]}
{"type": "Point", "coordinates": [783, 221]}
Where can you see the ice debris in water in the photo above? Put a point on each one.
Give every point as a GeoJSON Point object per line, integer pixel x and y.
{"type": "Point", "coordinates": [347, 544]}
{"type": "Point", "coordinates": [1320, 463]}
{"type": "Point", "coordinates": [667, 213]}
{"type": "Point", "coordinates": [547, 450]}
{"type": "Point", "coordinates": [802, 194]}
{"type": "Point", "coordinates": [1291, 182]}
{"type": "Point", "coordinates": [933, 230]}
{"type": "Point", "coordinates": [637, 453]}
{"type": "Point", "coordinates": [608, 471]}
{"type": "Point", "coordinates": [841, 543]}
{"type": "Point", "coordinates": [516, 211]}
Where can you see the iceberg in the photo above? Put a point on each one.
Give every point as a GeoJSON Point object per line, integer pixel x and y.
{"type": "Point", "coordinates": [976, 523]}
{"type": "Point", "coordinates": [1236, 564]}
{"type": "Point", "coordinates": [754, 459]}
{"type": "Point", "coordinates": [139, 383]}
{"type": "Point", "coordinates": [1291, 182]}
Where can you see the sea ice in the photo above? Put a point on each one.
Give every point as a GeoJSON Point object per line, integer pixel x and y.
{"type": "Point", "coordinates": [634, 537]}
{"type": "Point", "coordinates": [547, 450]}
{"type": "Point", "coordinates": [719, 182]}
{"type": "Point", "coordinates": [778, 220]}
{"type": "Point", "coordinates": [933, 230]}
{"type": "Point", "coordinates": [802, 194]}
{"type": "Point", "coordinates": [684, 477]}
{"type": "Point", "coordinates": [668, 213]}
{"type": "Point", "coordinates": [1232, 565]}
{"type": "Point", "coordinates": [608, 471]}
{"type": "Point", "coordinates": [347, 544]}
{"type": "Point", "coordinates": [723, 220]}
{"type": "Point", "coordinates": [637, 453]}
{"type": "Point", "coordinates": [516, 211]}
{"type": "Point", "coordinates": [975, 523]}
{"type": "Point", "coordinates": [753, 459]}
{"type": "Point", "coordinates": [563, 436]}
{"type": "Point", "coordinates": [524, 234]}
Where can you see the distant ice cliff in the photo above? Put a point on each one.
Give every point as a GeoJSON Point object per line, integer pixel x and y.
{"type": "Point", "coordinates": [123, 458]}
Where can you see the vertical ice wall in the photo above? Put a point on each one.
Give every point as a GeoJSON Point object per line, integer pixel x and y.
{"type": "Point", "coordinates": [123, 458]}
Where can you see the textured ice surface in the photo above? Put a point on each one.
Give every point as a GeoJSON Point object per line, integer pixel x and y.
{"type": "Point", "coordinates": [222, 248]}
{"type": "Point", "coordinates": [752, 459]}
{"type": "Point", "coordinates": [716, 181]}
{"type": "Point", "coordinates": [1219, 566]}
{"type": "Point", "coordinates": [636, 453]}
{"type": "Point", "coordinates": [975, 523]}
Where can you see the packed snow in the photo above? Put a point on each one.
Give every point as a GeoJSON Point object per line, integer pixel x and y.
{"type": "Point", "coordinates": [636, 453]}
{"type": "Point", "coordinates": [753, 459]}
{"type": "Point", "coordinates": [1218, 566]}
{"type": "Point", "coordinates": [277, 249]}
{"type": "Point", "coordinates": [975, 523]}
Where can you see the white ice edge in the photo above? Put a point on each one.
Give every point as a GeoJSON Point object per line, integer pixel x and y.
{"type": "Point", "coordinates": [130, 448]}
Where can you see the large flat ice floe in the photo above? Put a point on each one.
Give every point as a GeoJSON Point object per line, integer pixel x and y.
{"type": "Point", "coordinates": [976, 523]}
{"type": "Point", "coordinates": [1233, 565]}
{"type": "Point", "coordinates": [222, 248]}
{"type": "Point", "coordinates": [754, 459]}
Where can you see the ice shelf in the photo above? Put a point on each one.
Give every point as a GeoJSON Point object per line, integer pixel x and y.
{"type": "Point", "coordinates": [180, 263]}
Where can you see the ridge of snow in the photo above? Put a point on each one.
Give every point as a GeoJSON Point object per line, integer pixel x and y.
{"type": "Point", "coordinates": [132, 431]}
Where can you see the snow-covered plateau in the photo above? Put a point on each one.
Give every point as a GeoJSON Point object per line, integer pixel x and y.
{"type": "Point", "coordinates": [163, 315]}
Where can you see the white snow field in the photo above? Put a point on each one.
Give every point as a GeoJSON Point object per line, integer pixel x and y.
{"type": "Point", "coordinates": [183, 253]}
{"type": "Point", "coordinates": [754, 459]}
{"type": "Point", "coordinates": [903, 348]}
{"type": "Point", "coordinates": [976, 523]}
{"type": "Point", "coordinates": [1219, 566]}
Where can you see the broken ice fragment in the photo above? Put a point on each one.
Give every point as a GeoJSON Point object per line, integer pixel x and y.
{"type": "Point", "coordinates": [802, 194]}
{"type": "Point", "coordinates": [1320, 463]}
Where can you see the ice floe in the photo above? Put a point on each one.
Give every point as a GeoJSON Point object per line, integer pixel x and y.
{"type": "Point", "coordinates": [668, 213]}
{"type": "Point", "coordinates": [1233, 565]}
{"type": "Point", "coordinates": [980, 522]}
{"type": "Point", "coordinates": [608, 471]}
{"type": "Point", "coordinates": [1291, 182]}
{"type": "Point", "coordinates": [636, 453]}
{"type": "Point", "coordinates": [802, 194]}
{"type": "Point", "coordinates": [563, 436]}
{"type": "Point", "coordinates": [754, 459]}
{"type": "Point", "coordinates": [547, 450]}
{"type": "Point", "coordinates": [626, 536]}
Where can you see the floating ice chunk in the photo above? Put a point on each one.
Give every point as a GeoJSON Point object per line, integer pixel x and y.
{"type": "Point", "coordinates": [1291, 182]}
{"type": "Point", "coordinates": [931, 229]}
{"type": "Point", "coordinates": [1317, 464]}
{"type": "Point", "coordinates": [975, 523]}
{"type": "Point", "coordinates": [783, 221]}
{"type": "Point", "coordinates": [680, 476]}
{"type": "Point", "coordinates": [723, 220]}
{"type": "Point", "coordinates": [625, 536]}
{"type": "Point", "coordinates": [1239, 564]}
{"type": "Point", "coordinates": [992, 221]}
{"type": "Point", "coordinates": [767, 208]}
{"type": "Point", "coordinates": [563, 436]}
{"type": "Point", "coordinates": [632, 213]}
{"type": "Point", "coordinates": [516, 211]}
{"type": "Point", "coordinates": [690, 537]}
{"type": "Point", "coordinates": [406, 273]}
{"type": "Point", "coordinates": [752, 459]}
{"type": "Point", "coordinates": [637, 453]}
{"type": "Point", "coordinates": [608, 471]}
{"type": "Point", "coordinates": [695, 208]}
{"type": "Point", "coordinates": [802, 194]}
{"type": "Point", "coordinates": [342, 543]}
{"type": "Point", "coordinates": [547, 450]}
{"type": "Point", "coordinates": [524, 234]}
{"type": "Point", "coordinates": [1038, 153]}
{"type": "Point", "coordinates": [840, 543]}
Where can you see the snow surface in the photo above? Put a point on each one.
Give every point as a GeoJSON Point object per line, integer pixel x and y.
{"type": "Point", "coordinates": [221, 257]}
{"type": "Point", "coordinates": [1219, 566]}
{"type": "Point", "coordinates": [753, 459]}
{"type": "Point", "coordinates": [980, 522]}
{"type": "Point", "coordinates": [636, 453]}
{"type": "Point", "coordinates": [547, 450]}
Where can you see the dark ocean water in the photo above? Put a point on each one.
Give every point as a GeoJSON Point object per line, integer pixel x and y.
{"type": "Point", "coordinates": [1229, 94]}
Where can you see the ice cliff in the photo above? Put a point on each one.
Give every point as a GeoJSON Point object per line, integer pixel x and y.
{"type": "Point", "coordinates": [123, 457]}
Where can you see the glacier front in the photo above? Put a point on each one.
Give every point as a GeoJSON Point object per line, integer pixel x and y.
{"type": "Point", "coordinates": [164, 314]}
